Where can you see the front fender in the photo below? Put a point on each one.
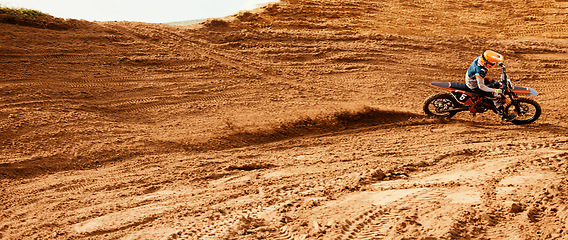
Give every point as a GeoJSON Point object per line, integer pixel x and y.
{"type": "Point", "coordinates": [524, 90]}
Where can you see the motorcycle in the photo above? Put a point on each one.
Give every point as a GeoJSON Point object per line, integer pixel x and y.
{"type": "Point", "coordinates": [460, 98]}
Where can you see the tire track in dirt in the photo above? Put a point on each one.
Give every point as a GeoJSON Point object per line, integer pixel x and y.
{"type": "Point", "coordinates": [557, 162]}
{"type": "Point", "coordinates": [147, 32]}
{"type": "Point", "coordinates": [225, 225]}
{"type": "Point", "coordinates": [223, 59]}
{"type": "Point", "coordinates": [207, 49]}
{"type": "Point", "coordinates": [550, 87]}
{"type": "Point", "coordinates": [95, 183]}
{"type": "Point", "coordinates": [376, 223]}
{"type": "Point", "coordinates": [87, 81]}
{"type": "Point", "coordinates": [371, 224]}
{"type": "Point", "coordinates": [131, 217]}
{"type": "Point", "coordinates": [474, 151]}
{"type": "Point", "coordinates": [40, 103]}
{"type": "Point", "coordinates": [268, 218]}
{"type": "Point", "coordinates": [157, 104]}
{"type": "Point", "coordinates": [121, 29]}
{"type": "Point", "coordinates": [538, 175]}
{"type": "Point", "coordinates": [538, 10]}
{"type": "Point", "coordinates": [554, 32]}
{"type": "Point", "coordinates": [52, 56]}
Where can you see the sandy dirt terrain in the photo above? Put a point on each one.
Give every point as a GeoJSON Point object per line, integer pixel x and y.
{"type": "Point", "coordinates": [302, 120]}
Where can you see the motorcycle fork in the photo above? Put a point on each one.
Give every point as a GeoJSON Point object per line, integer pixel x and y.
{"type": "Point", "coordinates": [513, 99]}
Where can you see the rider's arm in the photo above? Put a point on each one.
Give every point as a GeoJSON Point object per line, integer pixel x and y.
{"type": "Point", "coordinates": [481, 84]}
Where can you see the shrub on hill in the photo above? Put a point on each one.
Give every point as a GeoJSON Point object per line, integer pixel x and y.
{"type": "Point", "coordinates": [34, 18]}
{"type": "Point", "coordinates": [216, 24]}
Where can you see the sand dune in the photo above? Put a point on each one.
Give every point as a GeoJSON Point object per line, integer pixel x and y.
{"type": "Point", "coordinates": [300, 120]}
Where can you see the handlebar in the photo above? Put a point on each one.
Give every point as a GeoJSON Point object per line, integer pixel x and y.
{"type": "Point", "coordinates": [506, 84]}
{"type": "Point", "coordinates": [502, 65]}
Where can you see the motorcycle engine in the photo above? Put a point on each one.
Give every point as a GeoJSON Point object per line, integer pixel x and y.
{"type": "Point", "coordinates": [484, 106]}
{"type": "Point", "coordinates": [480, 109]}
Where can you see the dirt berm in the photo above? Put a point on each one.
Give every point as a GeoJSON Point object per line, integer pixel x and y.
{"type": "Point", "coordinates": [300, 120]}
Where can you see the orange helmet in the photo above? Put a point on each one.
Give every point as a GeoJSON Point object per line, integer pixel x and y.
{"type": "Point", "coordinates": [489, 58]}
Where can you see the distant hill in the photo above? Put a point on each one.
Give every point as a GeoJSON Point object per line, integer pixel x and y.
{"type": "Point", "coordinates": [184, 23]}
{"type": "Point", "coordinates": [37, 19]}
{"type": "Point", "coordinates": [189, 22]}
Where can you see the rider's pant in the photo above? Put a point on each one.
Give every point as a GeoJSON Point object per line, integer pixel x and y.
{"type": "Point", "coordinates": [490, 95]}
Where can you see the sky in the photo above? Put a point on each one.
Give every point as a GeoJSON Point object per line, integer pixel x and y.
{"type": "Point", "coordinates": [152, 11]}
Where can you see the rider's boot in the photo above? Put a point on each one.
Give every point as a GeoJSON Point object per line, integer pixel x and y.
{"type": "Point", "coordinates": [505, 117]}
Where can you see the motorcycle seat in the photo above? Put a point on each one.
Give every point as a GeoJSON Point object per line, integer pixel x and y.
{"type": "Point", "coordinates": [454, 85]}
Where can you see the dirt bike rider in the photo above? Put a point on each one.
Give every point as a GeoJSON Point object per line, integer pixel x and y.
{"type": "Point", "coordinates": [475, 79]}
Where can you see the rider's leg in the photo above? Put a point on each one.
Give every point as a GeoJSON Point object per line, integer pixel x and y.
{"type": "Point", "coordinates": [498, 103]}
{"type": "Point", "coordinates": [505, 116]}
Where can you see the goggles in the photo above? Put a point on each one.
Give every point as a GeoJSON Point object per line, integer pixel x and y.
{"type": "Point", "coordinates": [487, 62]}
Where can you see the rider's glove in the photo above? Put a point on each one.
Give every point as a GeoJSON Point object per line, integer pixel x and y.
{"type": "Point", "coordinates": [498, 91]}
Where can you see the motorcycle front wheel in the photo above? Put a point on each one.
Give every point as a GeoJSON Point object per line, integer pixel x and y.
{"type": "Point", "coordinates": [526, 109]}
{"type": "Point", "coordinates": [437, 105]}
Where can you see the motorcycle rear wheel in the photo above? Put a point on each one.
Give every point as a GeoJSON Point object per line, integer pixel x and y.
{"type": "Point", "coordinates": [438, 104]}
{"type": "Point", "coordinates": [530, 110]}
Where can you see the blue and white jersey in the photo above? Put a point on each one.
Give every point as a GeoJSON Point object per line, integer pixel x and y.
{"type": "Point", "coordinates": [475, 77]}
